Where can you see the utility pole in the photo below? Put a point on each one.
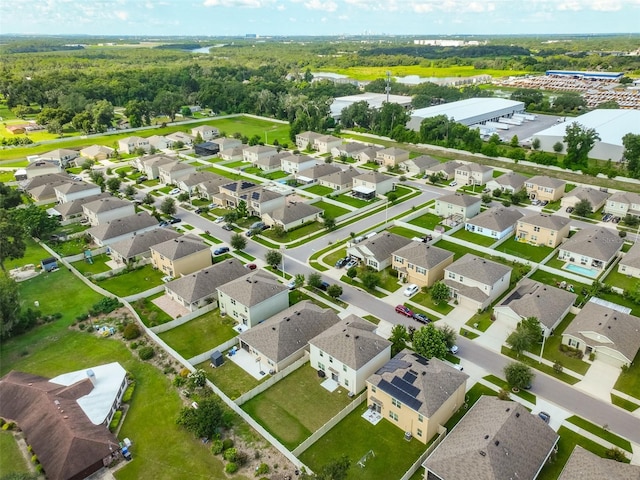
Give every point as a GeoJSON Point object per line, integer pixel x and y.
{"type": "Point", "coordinates": [387, 89]}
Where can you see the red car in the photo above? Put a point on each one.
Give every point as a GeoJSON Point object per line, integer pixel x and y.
{"type": "Point", "coordinates": [251, 266]}
{"type": "Point", "coordinates": [402, 310]}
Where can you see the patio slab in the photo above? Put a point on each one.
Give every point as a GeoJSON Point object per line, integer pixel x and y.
{"type": "Point", "coordinates": [170, 307]}
{"type": "Point", "coordinates": [249, 364]}
{"type": "Point", "coordinates": [330, 384]}
{"type": "Point", "coordinates": [372, 416]}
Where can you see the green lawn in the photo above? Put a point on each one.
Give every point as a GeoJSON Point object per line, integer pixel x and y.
{"type": "Point", "coordinates": [555, 280]}
{"type": "Point", "coordinates": [457, 250]}
{"type": "Point", "coordinates": [230, 378]}
{"type": "Point", "coordinates": [528, 396]}
{"type": "Point", "coordinates": [331, 210]}
{"type": "Point", "coordinates": [11, 460]}
{"type": "Point", "coordinates": [68, 248]}
{"type": "Point", "coordinates": [332, 258]}
{"type": "Point", "coordinates": [354, 202]}
{"type": "Point", "coordinates": [425, 300]}
{"type": "Point", "coordinates": [624, 403]}
{"type": "Point", "coordinates": [149, 312]}
{"type": "Point", "coordinates": [354, 436]}
{"type": "Point", "coordinates": [200, 334]}
{"type": "Point", "coordinates": [620, 300]}
{"type": "Point", "coordinates": [404, 232]}
{"type": "Point", "coordinates": [7, 176]}
{"type": "Point", "coordinates": [565, 377]}
{"type": "Point", "coordinates": [475, 238]}
{"type": "Point", "coordinates": [601, 432]}
{"type": "Point", "coordinates": [388, 281]}
{"type": "Point", "coordinates": [278, 174]}
{"type": "Point", "coordinates": [629, 381]}
{"type": "Point", "coordinates": [428, 220]}
{"type": "Point", "coordinates": [296, 406]}
{"type": "Point", "coordinates": [319, 190]}
{"type": "Point", "coordinates": [296, 233]}
{"type": "Point", "coordinates": [98, 265]}
{"type": "Point", "coordinates": [34, 253]}
{"type": "Point", "coordinates": [132, 282]}
{"type": "Point", "coordinates": [621, 280]}
{"type": "Point", "coordinates": [481, 321]}
{"type": "Point", "coordinates": [524, 250]}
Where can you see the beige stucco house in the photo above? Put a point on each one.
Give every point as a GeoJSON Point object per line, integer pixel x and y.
{"type": "Point", "coordinates": [473, 174]}
{"type": "Point", "coordinates": [376, 251]}
{"type": "Point", "coordinates": [421, 263]}
{"type": "Point", "coordinates": [543, 229]}
{"type": "Point", "coordinates": [305, 140]}
{"type": "Point", "coordinates": [41, 167]}
{"type": "Point", "coordinates": [544, 188]}
{"type": "Point", "coordinates": [630, 263]}
{"type": "Point", "coordinates": [131, 144]}
{"type": "Point", "coordinates": [446, 170]}
{"type": "Point", "coordinates": [591, 249]}
{"type": "Point", "coordinates": [458, 206]}
{"type": "Point", "coordinates": [137, 247]}
{"type": "Point", "coordinates": [339, 181]}
{"type": "Point", "coordinates": [207, 132]}
{"type": "Point", "coordinates": [509, 182]}
{"type": "Point", "coordinates": [97, 152]}
{"type": "Point", "coordinates": [258, 152]}
{"type": "Point", "coordinates": [172, 173]}
{"type": "Point", "coordinates": [325, 143]}
{"type": "Point", "coordinates": [181, 256]}
{"type": "Point", "coordinates": [621, 204]}
{"type": "Point", "coordinates": [597, 198]}
{"type": "Point", "coordinates": [418, 165]}
{"type": "Point", "coordinates": [122, 228]}
{"type": "Point", "coordinates": [392, 156]}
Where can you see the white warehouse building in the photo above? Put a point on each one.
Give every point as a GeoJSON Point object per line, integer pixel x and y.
{"type": "Point", "coordinates": [374, 100]}
{"type": "Point", "coordinates": [469, 112]}
{"type": "Point", "coordinates": [611, 126]}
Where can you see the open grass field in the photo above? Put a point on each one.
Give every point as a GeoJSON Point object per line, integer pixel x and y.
{"type": "Point", "coordinates": [355, 436]}
{"type": "Point", "coordinates": [296, 406]}
{"type": "Point", "coordinates": [132, 282]}
{"type": "Point", "coordinates": [7, 176]}
{"type": "Point", "coordinates": [11, 460]}
{"type": "Point", "coordinates": [200, 334]}
{"type": "Point", "coordinates": [373, 73]}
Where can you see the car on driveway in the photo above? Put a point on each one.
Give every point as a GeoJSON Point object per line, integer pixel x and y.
{"type": "Point", "coordinates": [221, 250]}
{"type": "Point", "coordinates": [228, 227]}
{"type": "Point", "coordinates": [142, 178]}
{"type": "Point", "coordinates": [352, 263]}
{"type": "Point", "coordinates": [607, 217]}
{"type": "Point", "coordinates": [419, 317]}
{"type": "Point", "coordinates": [291, 285]}
{"type": "Point", "coordinates": [545, 417]}
{"type": "Point", "coordinates": [342, 262]}
{"type": "Point", "coordinates": [174, 191]}
{"type": "Point", "coordinates": [219, 220]}
{"type": "Point", "coordinates": [163, 223]}
{"type": "Point", "coordinates": [406, 311]}
{"type": "Point", "coordinates": [569, 209]}
{"type": "Point", "coordinates": [616, 219]}
{"type": "Point", "coordinates": [453, 184]}
{"type": "Point", "coordinates": [411, 289]}
{"type": "Point", "coordinates": [251, 266]}
{"type": "Point", "coordinates": [167, 278]}
{"type": "Point", "coordinates": [174, 220]}
{"type": "Point", "coordinates": [454, 349]}
{"type": "Point", "coordinates": [198, 210]}
{"type": "Point", "coordinates": [544, 203]}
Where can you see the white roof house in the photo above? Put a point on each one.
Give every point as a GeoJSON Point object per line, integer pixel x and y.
{"type": "Point", "coordinates": [468, 112]}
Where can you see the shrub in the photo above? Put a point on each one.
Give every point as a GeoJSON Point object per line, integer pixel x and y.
{"type": "Point", "coordinates": [34, 459]}
{"type": "Point", "coordinates": [39, 468]}
{"type": "Point", "coordinates": [217, 447]}
{"type": "Point", "coordinates": [231, 467]}
{"type": "Point", "coordinates": [184, 373]}
{"type": "Point", "coordinates": [242, 458]}
{"type": "Point", "coordinates": [616, 454]}
{"type": "Point", "coordinates": [29, 449]}
{"type": "Point", "coordinates": [131, 331]}
{"type": "Point", "coordinates": [115, 421]}
{"type": "Point", "coordinates": [231, 454]}
{"type": "Point", "coordinates": [2, 422]}
{"type": "Point", "coordinates": [145, 353]}
{"type": "Point", "coordinates": [128, 393]}
{"type": "Point", "coordinates": [105, 305]}
{"type": "Point", "coordinates": [227, 443]}
{"type": "Point", "coordinates": [262, 469]}
{"type": "Point", "coordinates": [179, 381]}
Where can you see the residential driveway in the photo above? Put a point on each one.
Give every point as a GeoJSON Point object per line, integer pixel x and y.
{"type": "Point", "coordinates": [599, 380]}
{"type": "Point", "coordinates": [495, 336]}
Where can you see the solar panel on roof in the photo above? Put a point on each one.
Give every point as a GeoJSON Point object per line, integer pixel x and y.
{"type": "Point", "coordinates": [410, 377]}
{"type": "Point", "coordinates": [400, 395]}
{"type": "Point", "coordinates": [420, 359]}
{"type": "Point", "coordinates": [405, 386]}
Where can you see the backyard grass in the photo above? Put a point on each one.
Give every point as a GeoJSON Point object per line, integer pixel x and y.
{"type": "Point", "coordinates": [295, 234]}
{"type": "Point", "coordinates": [296, 406]}
{"type": "Point", "coordinates": [150, 314]}
{"type": "Point", "coordinates": [331, 210]}
{"type": "Point", "coordinates": [319, 190]}
{"type": "Point", "coordinates": [404, 232]}
{"type": "Point", "coordinates": [34, 253]}
{"type": "Point", "coordinates": [629, 381]}
{"type": "Point", "coordinates": [474, 238]}
{"type": "Point", "coordinates": [524, 250]}
{"type": "Point", "coordinates": [425, 300]}
{"type": "Point", "coordinates": [355, 435]}
{"type": "Point", "coordinates": [353, 201]}
{"type": "Point", "coordinates": [70, 247]}
{"type": "Point", "coordinates": [132, 282]}
{"type": "Point", "coordinates": [600, 432]}
{"type": "Point", "coordinates": [565, 377]}
{"type": "Point", "coordinates": [554, 280]}
{"type": "Point", "coordinates": [624, 403]}
{"type": "Point", "coordinates": [230, 378]}
{"type": "Point", "coordinates": [621, 280]}
{"type": "Point", "coordinates": [428, 221]}
{"type": "Point", "coordinates": [98, 266]}
{"type": "Point", "coordinates": [528, 396]}
{"type": "Point", "coordinates": [11, 460]}
{"type": "Point", "coordinates": [237, 164]}
{"type": "Point", "coordinates": [200, 334]}
{"type": "Point", "coordinates": [457, 250]}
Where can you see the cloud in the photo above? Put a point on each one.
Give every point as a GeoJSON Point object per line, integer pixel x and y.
{"type": "Point", "coordinates": [237, 3]}
{"type": "Point", "coordinates": [323, 5]}
{"type": "Point", "coordinates": [121, 14]}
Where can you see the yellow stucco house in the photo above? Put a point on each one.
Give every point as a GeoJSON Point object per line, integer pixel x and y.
{"type": "Point", "coordinates": [421, 263]}
{"type": "Point", "coordinates": [543, 229]}
{"type": "Point", "coordinates": [181, 256]}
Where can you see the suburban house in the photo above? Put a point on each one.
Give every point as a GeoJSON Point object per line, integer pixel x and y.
{"type": "Point", "coordinates": [495, 440]}
{"type": "Point", "coordinates": [88, 398]}
{"type": "Point", "coordinates": [41, 167]}
{"type": "Point", "coordinates": [370, 184]}
{"type": "Point", "coordinates": [368, 155]}
{"type": "Point", "coordinates": [189, 183]}
{"type": "Point", "coordinates": [230, 194]}
{"type": "Point", "coordinates": [613, 335]}
{"type": "Point", "coordinates": [497, 222]}
{"type": "Point", "coordinates": [418, 165]}
{"type": "Point", "coordinates": [325, 143]}
{"type": "Point", "coordinates": [392, 156]}
{"type": "Point", "coordinates": [509, 182]}
{"type": "Point", "coordinates": [590, 250]}
{"type": "Point", "coordinates": [597, 198]}
{"type": "Point", "coordinates": [349, 352]}
{"type": "Point", "coordinates": [67, 192]}
{"type": "Point", "coordinates": [270, 163]}
{"type": "Point", "coordinates": [297, 163]}
{"type": "Point", "coordinates": [284, 337]}
{"type": "Point", "coordinates": [543, 229]}
{"type": "Point", "coordinates": [376, 251]}
{"type": "Point", "coordinates": [446, 170]}
{"type": "Point", "coordinates": [181, 256]}
{"type": "Point", "coordinates": [473, 174]}
{"type": "Point", "coordinates": [476, 282]}
{"type": "Point", "coordinates": [421, 263]}
{"type": "Point", "coordinates": [158, 142]}
{"type": "Point", "coordinates": [45, 193]}
{"type": "Point", "coordinates": [211, 187]}
{"type": "Point", "coordinates": [62, 156]}
{"type": "Point", "coordinates": [534, 299]}
{"type": "Point", "coordinates": [305, 140]}
{"type": "Point", "coordinates": [457, 206]}
{"type": "Point", "coordinates": [261, 201]}
{"type": "Point", "coordinates": [97, 152]}
{"type": "Point", "coordinates": [74, 209]}
{"type": "Point", "coordinates": [136, 247]}
{"type": "Point", "coordinates": [206, 132]}
{"type": "Point", "coordinates": [311, 175]}
{"type": "Point", "coordinates": [171, 173]}
{"type": "Point", "coordinates": [233, 153]}
{"type": "Point", "coordinates": [150, 165]}
{"type": "Point", "coordinates": [292, 215]}
{"type": "Point", "coordinates": [107, 209]}
{"type": "Point", "coordinates": [339, 181]}
{"type": "Point", "coordinates": [347, 150]}
{"type": "Point", "coordinates": [416, 394]}
{"type": "Point", "coordinates": [258, 152]}
{"type": "Point", "coordinates": [131, 144]}
{"type": "Point", "coordinates": [227, 143]}
{"type": "Point", "coordinates": [622, 204]}
{"type": "Point", "coordinates": [46, 179]}
{"type": "Point", "coordinates": [199, 288]}
{"type": "Point", "coordinates": [253, 298]}
{"type": "Point", "coordinates": [176, 137]}
{"type": "Point", "coordinates": [121, 228]}
{"type": "Point", "coordinates": [544, 188]}
{"type": "Point", "coordinates": [583, 464]}
{"type": "Point", "coordinates": [630, 263]}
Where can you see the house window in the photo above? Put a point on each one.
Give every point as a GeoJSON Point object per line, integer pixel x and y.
{"type": "Point", "coordinates": [421, 271]}
{"type": "Point", "coordinates": [420, 418]}
{"type": "Point", "coordinates": [396, 403]}
{"type": "Point", "coordinates": [321, 353]}
{"type": "Point", "coordinates": [419, 432]}
{"type": "Point", "coordinates": [344, 368]}
{"type": "Point", "coordinates": [461, 279]}
{"type": "Point", "coordinates": [330, 359]}
{"type": "Point", "coordinates": [233, 302]}
{"type": "Point", "coordinates": [451, 275]}
{"type": "Point", "coordinates": [346, 382]}
{"type": "Point", "coordinates": [321, 366]}
{"type": "Point", "coordinates": [393, 416]}
{"type": "Point", "coordinates": [574, 343]}
{"type": "Point", "coordinates": [536, 229]}
{"type": "Point", "coordinates": [373, 389]}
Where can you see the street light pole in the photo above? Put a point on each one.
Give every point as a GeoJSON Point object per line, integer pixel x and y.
{"type": "Point", "coordinates": [544, 337]}
{"type": "Point", "coordinates": [282, 254]}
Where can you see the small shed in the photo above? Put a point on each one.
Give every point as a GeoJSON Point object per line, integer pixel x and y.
{"type": "Point", "coordinates": [217, 359]}
{"type": "Point", "coordinates": [49, 264]}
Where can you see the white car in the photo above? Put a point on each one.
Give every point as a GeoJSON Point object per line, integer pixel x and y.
{"type": "Point", "coordinates": [454, 349]}
{"type": "Point", "coordinates": [411, 289]}
{"type": "Point", "coordinates": [175, 191]}
{"type": "Point", "coordinates": [219, 220]}
{"type": "Point", "coordinates": [453, 184]}
{"type": "Point", "coordinates": [167, 278]}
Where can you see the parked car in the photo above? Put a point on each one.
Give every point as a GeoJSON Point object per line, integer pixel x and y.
{"type": "Point", "coordinates": [228, 227]}
{"type": "Point", "coordinates": [607, 217]}
{"type": "Point", "coordinates": [342, 262]}
{"type": "Point", "coordinates": [142, 178]}
{"type": "Point", "coordinates": [257, 225]}
{"type": "Point", "coordinates": [457, 367]}
{"type": "Point", "coordinates": [323, 286]}
{"type": "Point", "coordinates": [406, 311]}
{"type": "Point", "coordinates": [219, 220]}
{"type": "Point", "coordinates": [419, 317]}
{"type": "Point", "coordinates": [569, 209]}
{"type": "Point", "coordinates": [544, 203]}
{"type": "Point", "coordinates": [352, 263]}
{"type": "Point", "coordinates": [199, 210]}
{"type": "Point", "coordinates": [453, 184]}
{"type": "Point", "coordinates": [535, 202]}
{"type": "Point", "coordinates": [546, 418]}
{"type": "Point", "coordinates": [167, 278]}
{"type": "Point", "coordinates": [220, 250]}
{"type": "Point", "coordinates": [249, 233]}
{"type": "Point", "coordinates": [163, 223]}
{"type": "Point", "coordinates": [251, 266]}
{"type": "Point", "coordinates": [174, 191]}
{"type": "Point", "coordinates": [174, 220]}
{"type": "Point", "coordinates": [486, 190]}
{"type": "Point", "coordinates": [454, 349]}
{"type": "Point", "coordinates": [616, 219]}
{"type": "Point", "coordinates": [411, 289]}
{"type": "Point", "coordinates": [291, 285]}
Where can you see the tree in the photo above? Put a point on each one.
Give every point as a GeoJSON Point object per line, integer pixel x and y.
{"type": "Point", "coordinates": [129, 191]}
{"type": "Point", "coordinates": [241, 209]}
{"type": "Point", "coordinates": [518, 375]}
{"type": "Point", "coordinates": [487, 198]}
{"type": "Point", "coordinates": [429, 342]}
{"type": "Point", "coordinates": [440, 292]}
{"type": "Point", "coordinates": [329, 222]}
{"type": "Point", "coordinates": [514, 141]}
{"type": "Point", "coordinates": [535, 143]}
{"type": "Point", "coordinates": [168, 206]}
{"type": "Point", "coordinates": [583, 208]}
{"type": "Point", "coordinates": [273, 258]}
{"type": "Point", "coordinates": [238, 242]}
{"type": "Point", "coordinates": [9, 304]}
{"type": "Point", "coordinates": [370, 279]}
{"type": "Point", "coordinates": [148, 199]}
{"type": "Point", "coordinates": [137, 112]}
{"type": "Point", "coordinates": [278, 231]}
{"type": "Point", "coordinates": [558, 147]}
{"type": "Point", "coordinates": [35, 221]}
{"type": "Point", "coordinates": [9, 197]}
{"type": "Point", "coordinates": [231, 217]}
{"type": "Point", "coordinates": [102, 113]}
{"type": "Point", "coordinates": [392, 196]}
{"type": "Point", "coordinates": [113, 184]}
{"type": "Point", "coordinates": [449, 335]}
{"type": "Point", "coordinates": [352, 272]}
{"type": "Point", "coordinates": [631, 154]}
{"type": "Point", "coordinates": [398, 339]}
{"type": "Point", "coordinates": [519, 340]}
{"type": "Point", "coordinates": [197, 378]}
{"type": "Point", "coordinates": [314, 280]}
{"type": "Point", "coordinates": [335, 470]}
{"type": "Point", "coordinates": [580, 141]}
{"type": "Point", "coordinates": [205, 420]}
{"type": "Point", "coordinates": [334, 290]}
{"type": "Point", "coordinates": [299, 280]}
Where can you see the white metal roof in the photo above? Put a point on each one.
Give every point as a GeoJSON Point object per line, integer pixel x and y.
{"type": "Point", "coordinates": [472, 107]}
{"type": "Point", "coordinates": [375, 100]}
{"type": "Point", "coordinates": [364, 190]}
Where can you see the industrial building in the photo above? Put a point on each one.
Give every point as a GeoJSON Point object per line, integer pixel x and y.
{"type": "Point", "coordinates": [606, 76]}
{"type": "Point", "coordinates": [374, 100]}
{"type": "Point", "coordinates": [469, 112]}
{"type": "Point", "coordinates": [611, 126]}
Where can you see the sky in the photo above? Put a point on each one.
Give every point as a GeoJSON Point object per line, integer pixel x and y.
{"type": "Point", "coordinates": [318, 17]}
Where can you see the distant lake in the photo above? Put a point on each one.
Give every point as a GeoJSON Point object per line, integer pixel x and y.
{"type": "Point", "coordinates": [207, 49]}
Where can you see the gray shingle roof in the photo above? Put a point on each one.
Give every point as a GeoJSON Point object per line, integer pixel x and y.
{"type": "Point", "coordinates": [75, 206]}
{"type": "Point", "coordinates": [448, 167]}
{"type": "Point", "coordinates": [106, 204]}
{"type": "Point", "coordinates": [632, 257]}
{"type": "Point", "coordinates": [424, 385]}
{"type": "Point", "coordinates": [122, 226]}
{"type": "Point", "coordinates": [496, 219]}
{"type": "Point", "coordinates": [49, 178]}
{"type": "Point", "coordinates": [599, 243]}
{"type": "Point", "coordinates": [460, 199]}
{"type": "Point", "coordinates": [479, 269]}
{"type": "Point", "coordinates": [253, 288]}
{"type": "Point", "coordinates": [342, 177]}
{"type": "Point", "coordinates": [622, 329]}
{"type": "Point", "coordinates": [534, 299]}
{"type": "Point", "coordinates": [511, 179]}
{"type": "Point", "coordinates": [319, 171]}
{"type": "Point", "coordinates": [495, 440]}
{"type": "Point", "coordinates": [584, 465]}
{"type": "Point", "coordinates": [423, 255]}
{"type": "Point", "coordinates": [287, 332]}
{"type": "Point", "coordinates": [203, 283]}
{"type": "Point", "coordinates": [392, 151]}
{"type": "Point", "coordinates": [595, 197]}
{"type": "Point", "coordinates": [180, 247]}
{"type": "Point", "coordinates": [299, 159]}
{"type": "Point", "coordinates": [383, 244]}
{"type": "Point", "coordinates": [196, 178]}
{"type": "Point", "coordinates": [373, 177]}
{"type": "Point", "coordinates": [176, 167]}
{"type": "Point", "coordinates": [260, 195]}
{"type": "Point", "coordinates": [423, 161]}
{"type": "Point", "coordinates": [627, 198]}
{"type": "Point", "coordinates": [157, 160]}
{"type": "Point", "coordinates": [141, 243]}
{"type": "Point", "coordinates": [42, 164]}
{"type": "Point", "coordinates": [474, 167]}
{"type": "Point", "coordinates": [353, 342]}
{"type": "Point", "coordinates": [542, 220]}
{"type": "Point", "coordinates": [293, 212]}
{"type": "Point", "coordinates": [73, 187]}
{"type": "Point", "coordinates": [547, 182]}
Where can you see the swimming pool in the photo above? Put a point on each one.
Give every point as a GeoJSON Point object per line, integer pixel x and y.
{"type": "Point", "coordinates": [580, 270]}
